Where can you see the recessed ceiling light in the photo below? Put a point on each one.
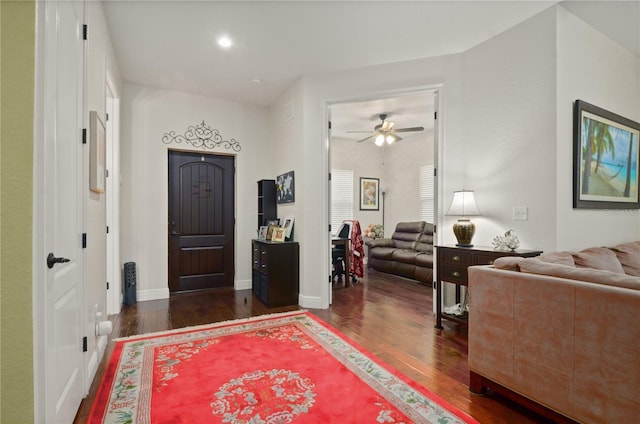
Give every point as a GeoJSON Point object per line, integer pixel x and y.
{"type": "Point", "coordinates": [224, 42]}
{"type": "Point", "coordinates": [256, 80]}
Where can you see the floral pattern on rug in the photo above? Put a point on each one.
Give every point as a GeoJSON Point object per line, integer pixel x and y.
{"type": "Point", "coordinates": [264, 397]}
{"type": "Point", "coordinates": [127, 405]}
{"type": "Point", "coordinates": [285, 333]}
{"type": "Point", "coordinates": [172, 355]}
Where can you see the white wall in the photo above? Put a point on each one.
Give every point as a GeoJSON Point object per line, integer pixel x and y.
{"type": "Point", "coordinates": [592, 68]}
{"type": "Point", "coordinates": [402, 163]}
{"type": "Point", "coordinates": [149, 113]}
{"type": "Point", "coordinates": [286, 122]}
{"type": "Point", "coordinates": [507, 149]}
{"type": "Point", "coordinates": [366, 160]}
{"type": "Point", "coordinates": [100, 57]}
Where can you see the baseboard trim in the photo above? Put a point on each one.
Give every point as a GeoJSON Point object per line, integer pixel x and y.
{"type": "Point", "coordinates": [154, 294]}
{"type": "Point", "coordinates": [242, 284]}
{"type": "Point", "coordinates": [312, 302]}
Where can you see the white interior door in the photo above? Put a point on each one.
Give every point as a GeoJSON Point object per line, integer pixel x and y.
{"type": "Point", "coordinates": [60, 189]}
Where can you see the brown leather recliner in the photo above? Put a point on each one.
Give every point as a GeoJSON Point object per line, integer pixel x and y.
{"type": "Point", "coordinates": [408, 253]}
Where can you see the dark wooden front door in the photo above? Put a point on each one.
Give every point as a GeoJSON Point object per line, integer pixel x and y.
{"type": "Point", "coordinates": [201, 221]}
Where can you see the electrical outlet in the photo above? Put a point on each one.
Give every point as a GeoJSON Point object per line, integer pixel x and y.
{"type": "Point", "coordinates": [520, 213]}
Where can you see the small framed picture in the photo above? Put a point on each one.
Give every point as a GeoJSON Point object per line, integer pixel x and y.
{"type": "Point", "coordinates": [262, 233]}
{"type": "Point", "coordinates": [369, 194]}
{"type": "Point", "coordinates": [270, 229]}
{"type": "Point", "coordinates": [278, 234]}
{"type": "Point", "coordinates": [275, 221]}
{"type": "Point", "coordinates": [288, 226]}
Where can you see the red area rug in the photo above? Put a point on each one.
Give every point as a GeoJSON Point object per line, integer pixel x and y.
{"type": "Point", "coordinates": [275, 369]}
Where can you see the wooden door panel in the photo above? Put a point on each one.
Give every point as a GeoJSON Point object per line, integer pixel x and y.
{"type": "Point", "coordinates": [201, 260]}
{"type": "Point", "coordinates": [201, 221]}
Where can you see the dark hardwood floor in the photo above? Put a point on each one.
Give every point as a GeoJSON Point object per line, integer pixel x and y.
{"type": "Point", "coordinates": [390, 317]}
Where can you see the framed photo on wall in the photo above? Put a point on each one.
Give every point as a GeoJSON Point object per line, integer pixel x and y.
{"type": "Point", "coordinates": [369, 194]}
{"type": "Point", "coordinates": [97, 153]}
{"type": "Point", "coordinates": [605, 159]}
{"type": "Point", "coordinates": [286, 188]}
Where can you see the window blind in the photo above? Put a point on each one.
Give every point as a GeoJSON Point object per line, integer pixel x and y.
{"type": "Point", "coordinates": [341, 197]}
{"type": "Point", "coordinates": [427, 194]}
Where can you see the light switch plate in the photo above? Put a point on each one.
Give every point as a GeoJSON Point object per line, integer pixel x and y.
{"type": "Point", "coordinates": [520, 213]}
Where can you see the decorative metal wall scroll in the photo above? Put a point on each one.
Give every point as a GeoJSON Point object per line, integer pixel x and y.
{"type": "Point", "coordinates": [201, 136]}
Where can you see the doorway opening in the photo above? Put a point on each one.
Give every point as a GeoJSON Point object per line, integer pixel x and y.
{"type": "Point", "coordinates": [390, 144]}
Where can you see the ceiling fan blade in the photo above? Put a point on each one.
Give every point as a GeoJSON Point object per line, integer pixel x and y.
{"type": "Point", "coordinates": [366, 138]}
{"type": "Point", "coordinates": [409, 129]}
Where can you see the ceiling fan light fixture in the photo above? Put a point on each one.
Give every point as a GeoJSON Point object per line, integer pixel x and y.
{"type": "Point", "coordinates": [380, 140]}
{"type": "Point", "coordinates": [225, 42]}
{"type": "Point", "coordinates": [390, 139]}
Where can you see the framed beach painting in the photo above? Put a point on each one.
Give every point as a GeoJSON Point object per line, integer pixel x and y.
{"type": "Point", "coordinates": [605, 162]}
{"type": "Point", "coordinates": [369, 194]}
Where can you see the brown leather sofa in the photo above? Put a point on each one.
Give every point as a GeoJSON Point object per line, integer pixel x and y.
{"type": "Point", "coordinates": [560, 330]}
{"type": "Point", "coordinates": [408, 253]}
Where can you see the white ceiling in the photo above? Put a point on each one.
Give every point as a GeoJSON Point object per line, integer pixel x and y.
{"type": "Point", "coordinates": [172, 44]}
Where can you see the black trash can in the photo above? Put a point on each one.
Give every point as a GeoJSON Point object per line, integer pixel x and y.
{"type": "Point", "coordinates": [129, 283]}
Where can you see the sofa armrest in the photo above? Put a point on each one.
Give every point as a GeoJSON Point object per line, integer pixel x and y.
{"type": "Point", "coordinates": [383, 242]}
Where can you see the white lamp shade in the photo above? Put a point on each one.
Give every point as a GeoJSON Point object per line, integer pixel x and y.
{"type": "Point", "coordinates": [463, 204]}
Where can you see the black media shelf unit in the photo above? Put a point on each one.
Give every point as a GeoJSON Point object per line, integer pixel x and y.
{"type": "Point", "coordinates": [266, 201]}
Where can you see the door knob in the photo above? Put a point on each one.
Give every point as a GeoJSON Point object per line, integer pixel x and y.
{"type": "Point", "coordinates": [52, 260]}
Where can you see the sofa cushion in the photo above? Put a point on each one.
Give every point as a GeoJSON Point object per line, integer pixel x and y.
{"type": "Point", "coordinates": [561, 258]}
{"type": "Point", "coordinates": [509, 263]}
{"type": "Point", "coordinates": [425, 242]}
{"type": "Point", "coordinates": [598, 258]}
{"type": "Point", "coordinates": [629, 256]}
{"type": "Point", "coordinates": [382, 242]}
{"type": "Point", "coordinates": [407, 234]}
{"type": "Point", "coordinates": [424, 260]}
{"type": "Point", "coordinates": [590, 275]}
{"type": "Point", "coordinates": [405, 256]}
{"type": "Point", "coordinates": [382, 253]}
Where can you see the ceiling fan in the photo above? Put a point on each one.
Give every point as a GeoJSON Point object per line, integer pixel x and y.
{"type": "Point", "coordinates": [385, 132]}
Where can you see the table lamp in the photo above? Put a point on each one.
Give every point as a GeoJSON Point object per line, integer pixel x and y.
{"type": "Point", "coordinates": [463, 205]}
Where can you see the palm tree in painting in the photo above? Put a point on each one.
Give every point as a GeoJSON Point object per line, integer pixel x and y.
{"type": "Point", "coordinates": [603, 141]}
{"type": "Point", "coordinates": [627, 186]}
{"type": "Point", "coordinates": [587, 154]}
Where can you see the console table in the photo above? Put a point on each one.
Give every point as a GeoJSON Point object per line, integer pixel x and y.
{"type": "Point", "coordinates": [452, 263]}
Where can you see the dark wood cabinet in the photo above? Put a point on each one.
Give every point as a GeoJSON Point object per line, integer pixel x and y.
{"type": "Point", "coordinates": [275, 272]}
{"type": "Point", "coordinates": [267, 208]}
{"type": "Point", "coordinates": [452, 263]}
